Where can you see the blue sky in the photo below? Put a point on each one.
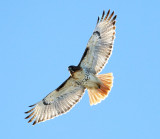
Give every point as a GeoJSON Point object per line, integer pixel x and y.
{"type": "Point", "coordinates": [40, 39]}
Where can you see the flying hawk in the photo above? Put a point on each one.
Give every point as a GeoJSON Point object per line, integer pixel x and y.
{"type": "Point", "coordinates": [84, 76]}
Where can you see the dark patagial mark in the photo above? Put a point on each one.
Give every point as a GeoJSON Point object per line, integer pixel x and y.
{"type": "Point", "coordinates": [44, 102]}
{"type": "Point", "coordinates": [98, 33]}
{"type": "Point", "coordinates": [84, 54]}
{"type": "Point", "coordinates": [62, 85]}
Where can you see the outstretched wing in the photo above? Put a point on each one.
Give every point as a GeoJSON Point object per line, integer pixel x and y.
{"type": "Point", "coordinates": [100, 45]}
{"type": "Point", "coordinates": [57, 102]}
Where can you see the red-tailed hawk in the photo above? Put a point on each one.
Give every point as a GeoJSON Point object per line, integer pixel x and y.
{"type": "Point", "coordinates": [84, 76]}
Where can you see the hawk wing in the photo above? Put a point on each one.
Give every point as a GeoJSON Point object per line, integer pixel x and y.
{"type": "Point", "coordinates": [57, 102]}
{"type": "Point", "coordinates": [100, 45]}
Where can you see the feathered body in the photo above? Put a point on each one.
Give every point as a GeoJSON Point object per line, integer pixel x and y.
{"type": "Point", "coordinates": [83, 76]}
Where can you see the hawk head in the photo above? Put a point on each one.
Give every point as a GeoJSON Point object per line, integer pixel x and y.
{"type": "Point", "coordinates": [73, 69]}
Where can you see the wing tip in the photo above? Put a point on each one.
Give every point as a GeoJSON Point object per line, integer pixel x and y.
{"type": "Point", "coordinates": [35, 122]}
{"type": "Point", "coordinates": [29, 111]}
{"type": "Point", "coordinates": [103, 13]}
{"type": "Point", "coordinates": [32, 105]}
{"type": "Point", "coordinates": [114, 18]}
{"type": "Point", "coordinates": [107, 17]}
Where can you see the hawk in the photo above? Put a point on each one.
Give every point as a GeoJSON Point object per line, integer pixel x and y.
{"type": "Point", "coordinates": [83, 76]}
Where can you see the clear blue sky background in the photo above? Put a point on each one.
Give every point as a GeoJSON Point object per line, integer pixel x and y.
{"type": "Point", "coordinates": [40, 39]}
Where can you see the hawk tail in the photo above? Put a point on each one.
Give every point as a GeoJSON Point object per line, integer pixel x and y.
{"type": "Point", "coordinates": [97, 95]}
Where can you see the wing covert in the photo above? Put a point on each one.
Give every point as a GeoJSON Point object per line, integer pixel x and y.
{"type": "Point", "coordinates": [100, 45]}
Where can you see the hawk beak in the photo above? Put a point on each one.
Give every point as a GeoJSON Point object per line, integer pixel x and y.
{"type": "Point", "coordinates": [70, 69]}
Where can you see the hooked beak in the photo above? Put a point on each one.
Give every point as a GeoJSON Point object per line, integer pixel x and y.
{"type": "Point", "coordinates": [70, 69]}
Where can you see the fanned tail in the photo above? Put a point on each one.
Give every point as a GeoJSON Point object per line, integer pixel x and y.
{"type": "Point", "coordinates": [97, 95]}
